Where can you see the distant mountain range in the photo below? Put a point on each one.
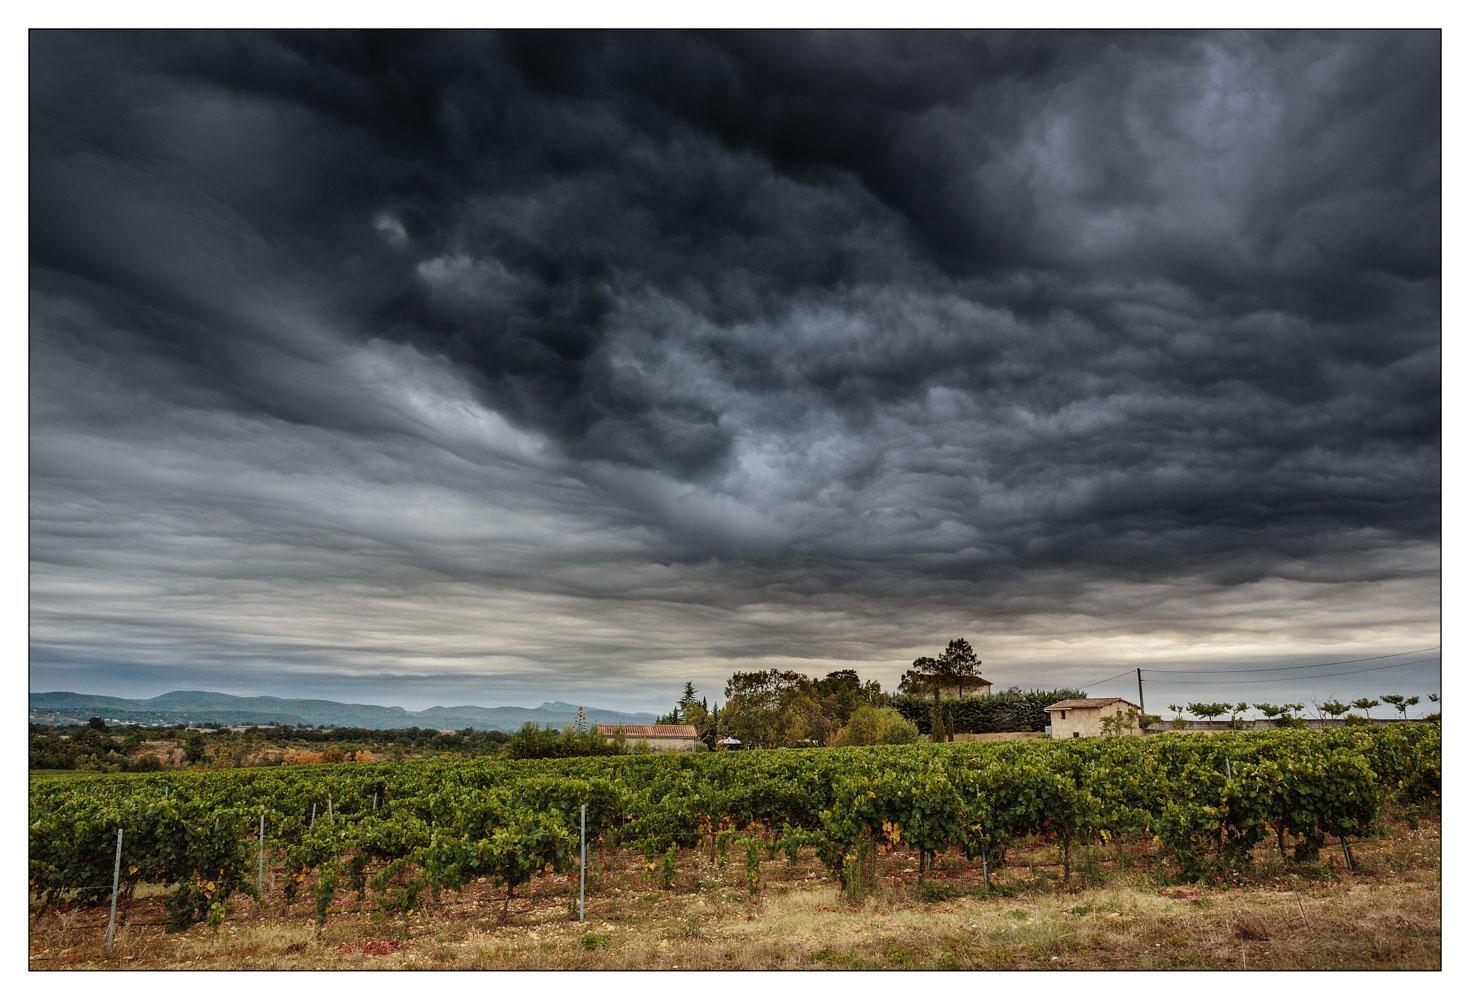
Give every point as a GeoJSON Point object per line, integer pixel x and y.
{"type": "Point", "coordinates": [201, 707]}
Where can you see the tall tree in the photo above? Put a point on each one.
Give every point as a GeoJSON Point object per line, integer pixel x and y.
{"type": "Point", "coordinates": [770, 708]}
{"type": "Point", "coordinates": [920, 678]}
{"type": "Point", "coordinates": [933, 675]}
{"type": "Point", "coordinates": [713, 734]}
{"type": "Point", "coordinates": [843, 692]}
{"type": "Point", "coordinates": [958, 664]}
{"type": "Point", "coordinates": [693, 713]}
{"type": "Point", "coordinates": [950, 669]}
{"type": "Point", "coordinates": [753, 705]}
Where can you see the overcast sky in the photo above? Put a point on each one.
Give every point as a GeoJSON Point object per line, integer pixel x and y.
{"type": "Point", "coordinates": [473, 368]}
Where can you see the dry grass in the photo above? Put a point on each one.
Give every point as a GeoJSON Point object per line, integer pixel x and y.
{"type": "Point", "coordinates": [1281, 916]}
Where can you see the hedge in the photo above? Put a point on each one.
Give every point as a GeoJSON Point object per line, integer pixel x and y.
{"type": "Point", "coordinates": [1006, 712]}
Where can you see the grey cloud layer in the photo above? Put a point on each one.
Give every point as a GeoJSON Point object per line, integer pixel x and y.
{"type": "Point", "coordinates": [595, 360]}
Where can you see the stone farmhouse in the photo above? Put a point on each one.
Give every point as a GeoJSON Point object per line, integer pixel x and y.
{"type": "Point", "coordinates": [1077, 717]}
{"type": "Point", "coordinates": [654, 737]}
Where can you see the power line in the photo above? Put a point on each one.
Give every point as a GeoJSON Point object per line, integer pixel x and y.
{"type": "Point", "coordinates": [1313, 677]}
{"type": "Point", "coordinates": [1300, 666]}
{"type": "Point", "coordinates": [1089, 684]}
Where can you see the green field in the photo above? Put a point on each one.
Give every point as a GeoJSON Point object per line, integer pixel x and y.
{"type": "Point", "coordinates": [392, 834]}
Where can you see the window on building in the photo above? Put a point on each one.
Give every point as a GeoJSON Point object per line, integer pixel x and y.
{"type": "Point", "coordinates": [1077, 735]}
{"type": "Point", "coordinates": [1064, 713]}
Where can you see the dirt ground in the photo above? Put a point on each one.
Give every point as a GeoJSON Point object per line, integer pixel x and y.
{"type": "Point", "coordinates": [1119, 911]}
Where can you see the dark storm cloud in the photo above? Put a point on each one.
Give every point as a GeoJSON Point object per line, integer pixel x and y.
{"type": "Point", "coordinates": [627, 355]}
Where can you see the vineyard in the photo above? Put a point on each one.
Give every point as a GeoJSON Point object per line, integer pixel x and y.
{"type": "Point", "coordinates": [395, 835]}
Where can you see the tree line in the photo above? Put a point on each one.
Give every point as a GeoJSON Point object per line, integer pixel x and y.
{"type": "Point", "coordinates": [937, 697]}
{"type": "Point", "coordinates": [1292, 713]}
{"type": "Point", "coordinates": [98, 747]}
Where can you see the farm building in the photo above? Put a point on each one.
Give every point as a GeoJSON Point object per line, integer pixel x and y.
{"type": "Point", "coordinates": [655, 737]}
{"type": "Point", "coordinates": [1077, 717]}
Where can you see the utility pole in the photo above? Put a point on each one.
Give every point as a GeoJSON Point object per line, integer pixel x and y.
{"type": "Point", "coordinates": [1139, 672]}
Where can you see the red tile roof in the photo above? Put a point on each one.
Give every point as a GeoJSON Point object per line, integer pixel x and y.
{"type": "Point", "coordinates": [650, 732]}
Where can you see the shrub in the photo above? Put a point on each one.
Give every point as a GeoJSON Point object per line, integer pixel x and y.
{"type": "Point", "coordinates": [1121, 724]}
{"type": "Point", "coordinates": [533, 742]}
{"type": "Point", "coordinates": [871, 726]}
{"type": "Point", "coordinates": [937, 892]}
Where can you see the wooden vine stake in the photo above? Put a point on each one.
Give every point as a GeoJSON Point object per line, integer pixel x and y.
{"type": "Point", "coordinates": [984, 851]}
{"type": "Point", "coordinates": [112, 912]}
{"type": "Point", "coordinates": [260, 878]}
{"type": "Point", "coordinates": [582, 877]}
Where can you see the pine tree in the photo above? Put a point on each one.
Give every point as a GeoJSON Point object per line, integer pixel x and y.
{"type": "Point", "coordinates": [959, 663]}
{"type": "Point", "coordinates": [686, 702]}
